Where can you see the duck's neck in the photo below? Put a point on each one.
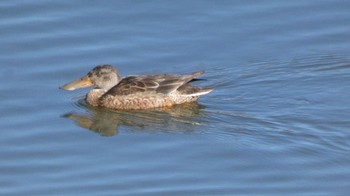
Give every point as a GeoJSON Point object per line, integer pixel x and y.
{"type": "Point", "coordinates": [111, 83]}
{"type": "Point", "coordinates": [107, 82]}
{"type": "Point", "coordinates": [101, 88]}
{"type": "Point", "coordinates": [93, 96]}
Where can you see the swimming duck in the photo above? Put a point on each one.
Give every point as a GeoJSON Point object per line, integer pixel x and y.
{"type": "Point", "coordinates": [136, 92]}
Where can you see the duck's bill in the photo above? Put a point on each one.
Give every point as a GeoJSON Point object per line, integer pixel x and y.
{"type": "Point", "coordinates": [83, 82]}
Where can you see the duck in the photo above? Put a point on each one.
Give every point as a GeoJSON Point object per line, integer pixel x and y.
{"type": "Point", "coordinates": [136, 92]}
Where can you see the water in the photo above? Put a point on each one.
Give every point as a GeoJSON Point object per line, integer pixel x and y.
{"type": "Point", "coordinates": [276, 124]}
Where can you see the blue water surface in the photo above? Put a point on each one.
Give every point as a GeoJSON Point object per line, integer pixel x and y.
{"type": "Point", "coordinates": [277, 122]}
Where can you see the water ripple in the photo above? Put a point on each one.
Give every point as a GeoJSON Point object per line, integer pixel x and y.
{"type": "Point", "coordinates": [276, 123]}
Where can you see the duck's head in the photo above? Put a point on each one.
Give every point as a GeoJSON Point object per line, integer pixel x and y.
{"type": "Point", "coordinates": [102, 76]}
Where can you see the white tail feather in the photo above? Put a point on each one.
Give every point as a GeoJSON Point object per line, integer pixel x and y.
{"type": "Point", "coordinates": [199, 93]}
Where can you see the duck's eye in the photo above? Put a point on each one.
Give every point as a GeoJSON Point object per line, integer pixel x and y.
{"type": "Point", "coordinates": [98, 74]}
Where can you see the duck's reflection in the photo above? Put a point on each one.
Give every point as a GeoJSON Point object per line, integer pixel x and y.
{"type": "Point", "coordinates": [179, 118]}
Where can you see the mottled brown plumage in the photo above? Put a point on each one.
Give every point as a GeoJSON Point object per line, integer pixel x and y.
{"type": "Point", "coordinates": [137, 92]}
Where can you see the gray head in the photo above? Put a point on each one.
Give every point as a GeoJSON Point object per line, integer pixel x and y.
{"type": "Point", "coordinates": [102, 76]}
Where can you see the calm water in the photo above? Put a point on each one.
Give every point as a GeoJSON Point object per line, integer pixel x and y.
{"type": "Point", "coordinates": [277, 123]}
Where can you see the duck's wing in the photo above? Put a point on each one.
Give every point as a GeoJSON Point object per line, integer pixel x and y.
{"type": "Point", "coordinates": [163, 83]}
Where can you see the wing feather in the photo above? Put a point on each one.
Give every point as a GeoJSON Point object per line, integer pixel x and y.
{"type": "Point", "coordinates": [163, 83]}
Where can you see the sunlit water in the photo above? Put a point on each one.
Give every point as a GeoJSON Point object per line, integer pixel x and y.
{"type": "Point", "coordinates": [276, 123]}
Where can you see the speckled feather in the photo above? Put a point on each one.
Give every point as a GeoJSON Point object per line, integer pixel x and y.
{"type": "Point", "coordinates": [142, 92]}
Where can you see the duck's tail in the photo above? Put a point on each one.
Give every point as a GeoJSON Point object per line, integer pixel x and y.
{"type": "Point", "coordinates": [188, 90]}
{"type": "Point", "coordinates": [193, 91]}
